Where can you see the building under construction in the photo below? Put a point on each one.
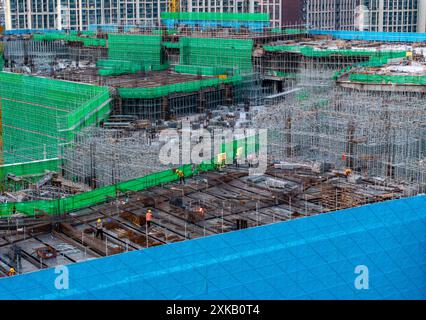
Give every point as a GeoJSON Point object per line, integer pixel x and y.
{"type": "Point", "coordinates": [83, 114]}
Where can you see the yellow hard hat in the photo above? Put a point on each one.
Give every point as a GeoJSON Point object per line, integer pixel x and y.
{"type": "Point", "coordinates": [12, 270]}
{"type": "Point", "coordinates": [149, 210]}
{"type": "Point", "coordinates": [99, 220]}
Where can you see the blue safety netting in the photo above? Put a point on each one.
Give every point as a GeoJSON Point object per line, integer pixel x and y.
{"type": "Point", "coordinates": [307, 258]}
{"type": "Point", "coordinates": [30, 31]}
{"type": "Point", "coordinates": [372, 36]}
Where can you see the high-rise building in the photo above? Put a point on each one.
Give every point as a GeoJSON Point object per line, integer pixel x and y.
{"type": "Point", "coordinates": [369, 15]}
{"type": "Point", "coordinates": [2, 21]}
{"type": "Point", "coordinates": [331, 14]}
{"type": "Point", "coordinates": [79, 14]}
{"type": "Point", "coordinates": [273, 7]}
{"type": "Point", "coordinates": [397, 16]}
{"type": "Point", "coordinates": [293, 12]}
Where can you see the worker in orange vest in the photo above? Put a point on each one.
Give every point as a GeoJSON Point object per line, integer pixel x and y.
{"type": "Point", "coordinates": [148, 218]}
{"type": "Point", "coordinates": [200, 212]}
{"type": "Point", "coordinates": [11, 272]}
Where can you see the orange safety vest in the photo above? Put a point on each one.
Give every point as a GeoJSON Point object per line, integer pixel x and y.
{"type": "Point", "coordinates": [148, 216]}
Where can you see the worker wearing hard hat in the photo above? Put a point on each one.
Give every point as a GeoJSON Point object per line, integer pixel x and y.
{"type": "Point", "coordinates": [348, 172]}
{"type": "Point", "coordinates": [201, 212]}
{"type": "Point", "coordinates": [148, 218]}
{"type": "Point", "coordinates": [181, 176]}
{"type": "Point", "coordinates": [99, 229]}
{"type": "Point", "coordinates": [11, 272]}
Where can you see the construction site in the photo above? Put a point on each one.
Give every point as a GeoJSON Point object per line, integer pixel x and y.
{"type": "Point", "coordinates": [82, 115]}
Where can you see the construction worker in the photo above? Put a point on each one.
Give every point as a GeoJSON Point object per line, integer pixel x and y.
{"type": "Point", "coordinates": [14, 210]}
{"type": "Point", "coordinates": [148, 218]}
{"type": "Point", "coordinates": [11, 272]}
{"type": "Point", "coordinates": [200, 212]}
{"type": "Point", "coordinates": [238, 156]}
{"type": "Point", "coordinates": [250, 159]}
{"type": "Point", "coordinates": [348, 172]}
{"type": "Point", "coordinates": [181, 176]}
{"type": "Point", "coordinates": [99, 229]}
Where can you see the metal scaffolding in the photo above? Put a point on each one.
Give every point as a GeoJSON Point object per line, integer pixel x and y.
{"type": "Point", "coordinates": [99, 157]}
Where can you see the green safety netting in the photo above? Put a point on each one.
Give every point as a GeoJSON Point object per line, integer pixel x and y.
{"type": "Point", "coordinates": [376, 58]}
{"type": "Point", "coordinates": [1, 56]}
{"type": "Point", "coordinates": [143, 49]}
{"type": "Point", "coordinates": [83, 32]}
{"type": "Point", "coordinates": [213, 52]}
{"type": "Point", "coordinates": [129, 54]}
{"type": "Point", "coordinates": [202, 70]}
{"type": "Point", "coordinates": [40, 113]}
{"type": "Point", "coordinates": [288, 31]}
{"type": "Point", "coordinates": [216, 16]}
{"type": "Point", "coordinates": [393, 79]}
{"type": "Point", "coordinates": [174, 45]}
{"type": "Point", "coordinates": [156, 92]}
{"type": "Point", "coordinates": [375, 61]}
{"type": "Point", "coordinates": [309, 51]}
{"type": "Point", "coordinates": [248, 145]}
{"type": "Point", "coordinates": [29, 168]}
{"type": "Point", "coordinates": [87, 41]}
{"type": "Point", "coordinates": [117, 67]}
{"type": "Point", "coordinates": [283, 48]}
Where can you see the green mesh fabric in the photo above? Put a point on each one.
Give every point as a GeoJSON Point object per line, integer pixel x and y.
{"type": "Point", "coordinates": [93, 197]}
{"type": "Point", "coordinates": [387, 79]}
{"type": "Point", "coordinates": [156, 92]}
{"type": "Point", "coordinates": [38, 114]}
{"type": "Point", "coordinates": [205, 71]}
{"type": "Point", "coordinates": [87, 40]}
{"type": "Point", "coordinates": [213, 52]}
{"type": "Point", "coordinates": [142, 49]}
{"type": "Point", "coordinates": [309, 51]}
{"type": "Point", "coordinates": [29, 168]}
{"type": "Point", "coordinates": [288, 31]}
{"type": "Point", "coordinates": [128, 54]}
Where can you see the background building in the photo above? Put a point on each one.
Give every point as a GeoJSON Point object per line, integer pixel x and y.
{"type": "Point", "coordinates": [397, 16]}
{"type": "Point", "coordinates": [331, 14]}
{"type": "Point", "coordinates": [274, 8]}
{"type": "Point", "coordinates": [369, 15]}
{"type": "Point", "coordinates": [79, 14]}
{"type": "Point", "coordinates": [293, 12]}
{"type": "Point", "coordinates": [2, 13]}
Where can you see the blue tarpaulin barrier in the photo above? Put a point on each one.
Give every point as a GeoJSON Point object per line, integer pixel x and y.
{"type": "Point", "coordinates": [29, 31]}
{"type": "Point", "coordinates": [308, 258]}
{"type": "Point", "coordinates": [372, 36]}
